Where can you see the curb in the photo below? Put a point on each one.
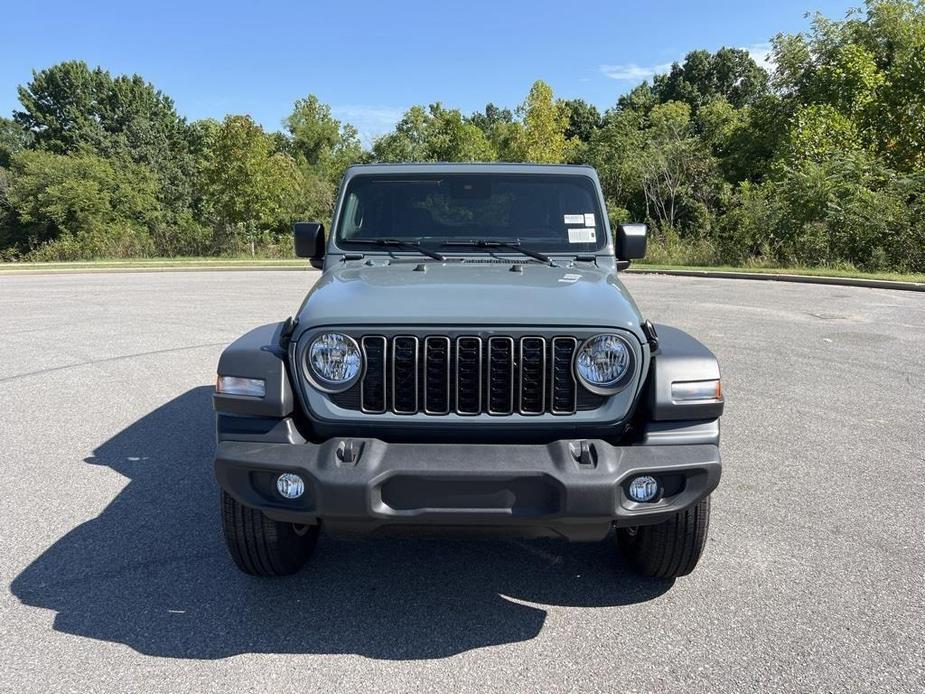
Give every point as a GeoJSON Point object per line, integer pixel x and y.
{"type": "Point", "coordinates": [784, 277]}
{"type": "Point", "coordinates": [176, 268]}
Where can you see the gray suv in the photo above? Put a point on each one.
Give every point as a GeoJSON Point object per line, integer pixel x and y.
{"type": "Point", "coordinates": [469, 361]}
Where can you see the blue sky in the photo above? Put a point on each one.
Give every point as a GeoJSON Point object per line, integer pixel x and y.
{"type": "Point", "coordinates": [371, 60]}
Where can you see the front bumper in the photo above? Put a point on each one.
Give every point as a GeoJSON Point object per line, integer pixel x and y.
{"type": "Point", "coordinates": [571, 488]}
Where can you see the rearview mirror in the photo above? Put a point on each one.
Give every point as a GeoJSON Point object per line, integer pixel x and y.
{"type": "Point", "coordinates": [631, 241]}
{"type": "Point", "coordinates": [309, 242]}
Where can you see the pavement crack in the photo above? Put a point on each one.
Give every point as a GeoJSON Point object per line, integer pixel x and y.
{"type": "Point", "coordinates": [121, 357]}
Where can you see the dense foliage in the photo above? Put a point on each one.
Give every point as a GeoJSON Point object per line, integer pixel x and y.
{"type": "Point", "coordinates": [821, 162]}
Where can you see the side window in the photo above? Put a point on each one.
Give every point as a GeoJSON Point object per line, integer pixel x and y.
{"type": "Point", "coordinates": [353, 217]}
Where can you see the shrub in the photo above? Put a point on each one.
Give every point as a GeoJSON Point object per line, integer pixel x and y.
{"type": "Point", "coordinates": [669, 248]}
{"type": "Point", "coordinates": [82, 206]}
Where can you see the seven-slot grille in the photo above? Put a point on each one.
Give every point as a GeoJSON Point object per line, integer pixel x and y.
{"type": "Point", "coordinates": [469, 375]}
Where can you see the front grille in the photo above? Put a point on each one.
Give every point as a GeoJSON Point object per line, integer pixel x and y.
{"type": "Point", "coordinates": [501, 375]}
{"type": "Point", "coordinates": [564, 391]}
{"type": "Point", "coordinates": [405, 375]}
{"type": "Point", "coordinates": [533, 375]}
{"type": "Point", "coordinates": [468, 375]}
{"type": "Point", "coordinates": [437, 373]}
{"type": "Point", "coordinates": [372, 387]}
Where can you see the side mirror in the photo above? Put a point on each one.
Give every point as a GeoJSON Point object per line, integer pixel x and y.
{"type": "Point", "coordinates": [631, 241]}
{"type": "Point", "coordinates": [309, 242]}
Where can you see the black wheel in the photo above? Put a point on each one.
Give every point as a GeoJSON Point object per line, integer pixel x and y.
{"type": "Point", "coordinates": [669, 549]}
{"type": "Point", "coordinates": [264, 547]}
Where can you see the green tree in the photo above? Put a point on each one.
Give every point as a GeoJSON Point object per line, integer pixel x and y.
{"type": "Point", "coordinates": [252, 188]}
{"type": "Point", "coordinates": [755, 140]}
{"type": "Point", "coordinates": [743, 152]}
{"type": "Point", "coordinates": [681, 178]}
{"type": "Point", "coordinates": [822, 163]}
{"type": "Point", "coordinates": [408, 141]}
{"type": "Point", "coordinates": [500, 129]}
{"type": "Point", "coordinates": [819, 132]}
{"type": "Point", "coordinates": [61, 107]}
{"type": "Point", "coordinates": [452, 138]}
{"type": "Point", "coordinates": [543, 135]}
{"type": "Point", "coordinates": [8, 225]}
{"type": "Point", "coordinates": [69, 107]}
{"type": "Point", "coordinates": [323, 148]}
{"type": "Point", "coordinates": [327, 145]}
{"type": "Point", "coordinates": [434, 134]}
{"type": "Point", "coordinates": [615, 150]}
{"type": "Point", "coordinates": [870, 68]}
{"type": "Point", "coordinates": [314, 131]}
{"type": "Point", "coordinates": [665, 158]}
{"type": "Point", "coordinates": [583, 119]}
{"type": "Point", "coordinates": [717, 121]}
{"type": "Point", "coordinates": [13, 138]}
{"type": "Point", "coordinates": [640, 98]}
{"type": "Point", "coordinates": [82, 206]}
{"type": "Point", "coordinates": [730, 74]}
{"type": "Point", "coordinates": [203, 134]}
{"type": "Point", "coordinates": [491, 118]}
{"type": "Point", "coordinates": [894, 33]}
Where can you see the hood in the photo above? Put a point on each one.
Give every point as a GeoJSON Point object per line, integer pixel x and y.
{"type": "Point", "coordinates": [470, 293]}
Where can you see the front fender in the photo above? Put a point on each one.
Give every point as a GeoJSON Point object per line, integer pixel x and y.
{"type": "Point", "coordinates": [680, 357]}
{"type": "Point", "coordinates": [257, 354]}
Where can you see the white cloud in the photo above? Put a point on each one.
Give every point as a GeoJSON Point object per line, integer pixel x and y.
{"type": "Point", "coordinates": [370, 121]}
{"type": "Point", "coordinates": [761, 54]}
{"type": "Point", "coordinates": [632, 72]}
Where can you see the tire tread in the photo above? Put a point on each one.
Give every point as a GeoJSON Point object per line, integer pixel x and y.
{"type": "Point", "coordinates": [670, 549]}
{"type": "Point", "coordinates": [261, 546]}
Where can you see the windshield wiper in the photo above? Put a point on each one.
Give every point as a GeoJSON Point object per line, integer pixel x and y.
{"type": "Point", "coordinates": [398, 243]}
{"type": "Point", "coordinates": [506, 245]}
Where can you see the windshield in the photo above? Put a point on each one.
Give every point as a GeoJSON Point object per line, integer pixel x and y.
{"type": "Point", "coordinates": [548, 213]}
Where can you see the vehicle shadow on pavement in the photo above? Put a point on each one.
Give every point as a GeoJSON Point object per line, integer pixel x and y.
{"type": "Point", "coordinates": [151, 571]}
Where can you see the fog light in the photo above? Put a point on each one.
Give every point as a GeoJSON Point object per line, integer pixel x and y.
{"type": "Point", "coordinates": [290, 486]}
{"type": "Point", "coordinates": [643, 488]}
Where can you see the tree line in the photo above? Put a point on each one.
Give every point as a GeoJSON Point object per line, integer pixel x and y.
{"type": "Point", "coordinates": [820, 161]}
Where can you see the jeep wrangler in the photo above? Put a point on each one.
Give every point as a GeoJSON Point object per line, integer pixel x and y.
{"type": "Point", "coordinates": [468, 360]}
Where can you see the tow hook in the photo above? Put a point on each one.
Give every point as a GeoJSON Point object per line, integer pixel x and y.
{"type": "Point", "coordinates": [584, 453]}
{"type": "Point", "coordinates": [348, 452]}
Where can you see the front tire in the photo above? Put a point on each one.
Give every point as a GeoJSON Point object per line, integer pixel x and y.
{"type": "Point", "coordinates": [261, 546]}
{"type": "Point", "coordinates": [671, 548]}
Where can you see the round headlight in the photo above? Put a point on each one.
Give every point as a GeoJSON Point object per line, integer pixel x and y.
{"type": "Point", "coordinates": [603, 362]}
{"type": "Point", "coordinates": [334, 361]}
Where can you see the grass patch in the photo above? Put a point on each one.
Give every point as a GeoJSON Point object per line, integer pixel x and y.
{"type": "Point", "coordinates": [203, 263]}
{"type": "Point", "coordinates": [809, 271]}
{"type": "Point", "coordinates": [667, 250]}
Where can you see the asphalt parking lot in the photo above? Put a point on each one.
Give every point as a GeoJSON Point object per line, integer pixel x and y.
{"type": "Point", "coordinates": [116, 578]}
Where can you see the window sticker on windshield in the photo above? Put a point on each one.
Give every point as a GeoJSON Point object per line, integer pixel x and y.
{"type": "Point", "coordinates": [589, 219]}
{"type": "Point", "coordinates": [581, 236]}
{"type": "Point", "coordinates": [574, 218]}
